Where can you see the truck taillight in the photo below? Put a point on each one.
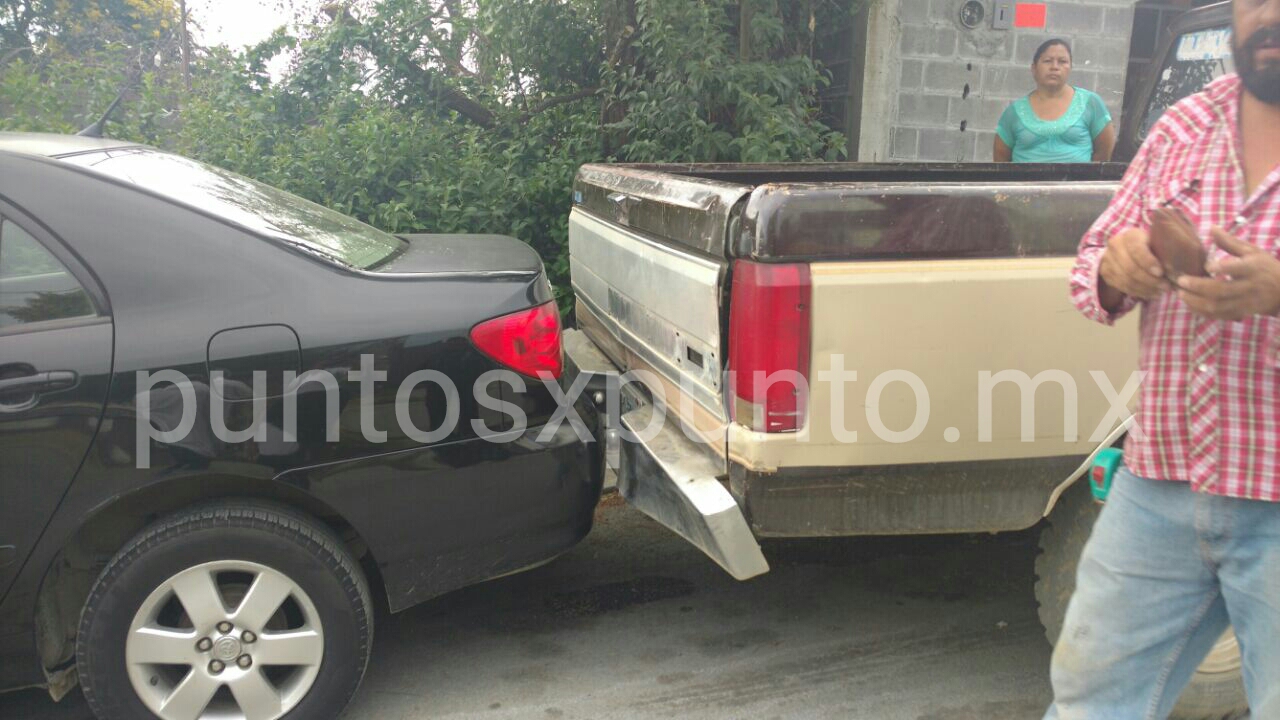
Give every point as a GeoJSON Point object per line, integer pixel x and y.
{"type": "Point", "coordinates": [769, 320]}
{"type": "Point", "coordinates": [527, 341]}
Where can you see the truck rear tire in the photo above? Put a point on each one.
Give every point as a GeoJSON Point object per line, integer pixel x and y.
{"type": "Point", "coordinates": [1216, 691]}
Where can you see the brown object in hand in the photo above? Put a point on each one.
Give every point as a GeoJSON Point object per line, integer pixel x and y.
{"type": "Point", "coordinates": [1177, 245]}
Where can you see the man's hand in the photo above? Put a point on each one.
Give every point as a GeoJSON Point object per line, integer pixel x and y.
{"type": "Point", "coordinates": [1246, 284]}
{"type": "Point", "coordinates": [1129, 268]}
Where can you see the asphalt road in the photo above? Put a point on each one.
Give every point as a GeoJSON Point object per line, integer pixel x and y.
{"type": "Point", "coordinates": [633, 623]}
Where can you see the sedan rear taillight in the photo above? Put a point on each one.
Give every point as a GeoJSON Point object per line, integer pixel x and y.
{"type": "Point", "coordinates": [527, 341]}
{"type": "Point", "coordinates": [769, 345]}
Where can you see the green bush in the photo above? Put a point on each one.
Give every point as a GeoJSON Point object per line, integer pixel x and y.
{"type": "Point", "coordinates": [415, 119]}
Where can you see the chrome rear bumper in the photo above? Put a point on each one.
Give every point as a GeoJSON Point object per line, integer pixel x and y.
{"type": "Point", "coordinates": [669, 477]}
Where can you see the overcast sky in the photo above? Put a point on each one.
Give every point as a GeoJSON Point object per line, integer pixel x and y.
{"type": "Point", "coordinates": [237, 23]}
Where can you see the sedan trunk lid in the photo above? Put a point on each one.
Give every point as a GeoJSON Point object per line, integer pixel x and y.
{"type": "Point", "coordinates": [442, 254]}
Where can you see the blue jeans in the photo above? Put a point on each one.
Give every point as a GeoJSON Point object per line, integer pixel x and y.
{"type": "Point", "coordinates": [1164, 574]}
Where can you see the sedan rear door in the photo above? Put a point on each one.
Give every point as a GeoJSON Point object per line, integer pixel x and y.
{"type": "Point", "coordinates": [55, 369]}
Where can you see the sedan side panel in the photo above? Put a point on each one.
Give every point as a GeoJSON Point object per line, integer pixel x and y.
{"type": "Point", "coordinates": [202, 277]}
{"type": "Point", "coordinates": [458, 513]}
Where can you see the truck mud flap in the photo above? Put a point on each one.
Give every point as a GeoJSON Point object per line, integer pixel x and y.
{"type": "Point", "coordinates": [669, 477]}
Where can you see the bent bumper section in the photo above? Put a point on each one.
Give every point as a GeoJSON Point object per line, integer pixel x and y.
{"type": "Point", "coordinates": [664, 474]}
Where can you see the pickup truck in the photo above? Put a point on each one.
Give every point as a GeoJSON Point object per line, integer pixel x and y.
{"type": "Point", "coordinates": [935, 377]}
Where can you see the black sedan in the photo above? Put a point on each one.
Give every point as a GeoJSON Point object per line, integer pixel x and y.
{"type": "Point", "coordinates": [231, 421]}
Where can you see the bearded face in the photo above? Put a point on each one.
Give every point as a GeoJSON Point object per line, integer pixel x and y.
{"type": "Point", "coordinates": [1256, 46]}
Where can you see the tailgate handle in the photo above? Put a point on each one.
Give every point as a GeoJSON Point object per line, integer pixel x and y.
{"type": "Point", "coordinates": [622, 204]}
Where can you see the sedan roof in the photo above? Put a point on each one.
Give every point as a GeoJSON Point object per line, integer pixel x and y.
{"type": "Point", "coordinates": [52, 145]}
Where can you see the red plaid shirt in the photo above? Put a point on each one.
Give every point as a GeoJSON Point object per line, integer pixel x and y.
{"type": "Point", "coordinates": [1209, 406]}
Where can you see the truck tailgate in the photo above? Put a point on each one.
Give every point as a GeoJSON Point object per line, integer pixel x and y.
{"type": "Point", "coordinates": [647, 258]}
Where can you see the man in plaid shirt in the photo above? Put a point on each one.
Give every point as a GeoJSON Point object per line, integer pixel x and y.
{"type": "Point", "coordinates": [1189, 541]}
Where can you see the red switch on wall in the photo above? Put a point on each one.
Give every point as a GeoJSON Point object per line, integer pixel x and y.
{"type": "Point", "coordinates": [1029, 15]}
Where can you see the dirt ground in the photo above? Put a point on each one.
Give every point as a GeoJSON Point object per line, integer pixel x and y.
{"type": "Point", "coordinates": [634, 623]}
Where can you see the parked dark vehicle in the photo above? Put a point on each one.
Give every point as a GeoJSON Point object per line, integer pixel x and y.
{"type": "Point", "coordinates": [704, 276]}
{"type": "Point", "coordinates": [201, 577]}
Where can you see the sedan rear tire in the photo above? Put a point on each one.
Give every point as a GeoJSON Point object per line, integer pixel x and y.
{"type": "Point", "coordinates": [234, 609]}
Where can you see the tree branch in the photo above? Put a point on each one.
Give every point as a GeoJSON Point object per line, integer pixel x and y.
{"type": "Point", "coordinates": [449, 96]}
{"type": "Point", "coordinates": [624, 41]}
{"type": "Point", "coordinates": [557, 101]}
{"type": "Point", "coordinates": [13, 54]}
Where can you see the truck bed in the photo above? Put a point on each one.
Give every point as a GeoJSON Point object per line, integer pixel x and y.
{"type": "Point", "coordinates": [842, 172]}
{"type": "Point", "coordinates": [854, 211]}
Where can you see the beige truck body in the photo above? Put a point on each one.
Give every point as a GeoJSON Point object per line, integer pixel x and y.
{"type": "Point", "coordinates": [980, 392]}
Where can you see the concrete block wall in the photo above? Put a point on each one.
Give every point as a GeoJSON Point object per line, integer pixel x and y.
{"type": "Point", "coordinates": [929, 76]}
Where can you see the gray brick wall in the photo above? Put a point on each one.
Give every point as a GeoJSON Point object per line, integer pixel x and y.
{"type": "Point", "coordinates": [946, 77]}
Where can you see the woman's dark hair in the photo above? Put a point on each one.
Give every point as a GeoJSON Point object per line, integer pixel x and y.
{"type": "Point", "coordinates": [1044, 46]}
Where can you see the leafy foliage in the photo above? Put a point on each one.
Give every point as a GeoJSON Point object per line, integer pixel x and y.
{"type": "Point", "coordinates": [440, 115]}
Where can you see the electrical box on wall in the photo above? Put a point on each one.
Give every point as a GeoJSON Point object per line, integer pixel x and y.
{"type": "Point", "coordinates": [1002, 16]}
{"type": "Point", "coordinates": [972, 13]}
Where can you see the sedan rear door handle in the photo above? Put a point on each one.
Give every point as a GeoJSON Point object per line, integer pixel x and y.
{"type": "Point", "coordinates": [40, 382]}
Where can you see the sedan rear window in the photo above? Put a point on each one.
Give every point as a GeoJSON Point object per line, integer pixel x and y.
{"type": "Point", "coordinates": [251, 204]}
{"type": "Point", "coordinates": [34, 286]}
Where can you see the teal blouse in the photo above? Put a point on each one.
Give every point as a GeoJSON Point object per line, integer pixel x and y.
{"type": "Point", "coordinates": [1069, 139]}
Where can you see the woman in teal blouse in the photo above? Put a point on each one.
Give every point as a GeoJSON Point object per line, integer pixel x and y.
{"type": "Point", "coordinates": [1056, 123]}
